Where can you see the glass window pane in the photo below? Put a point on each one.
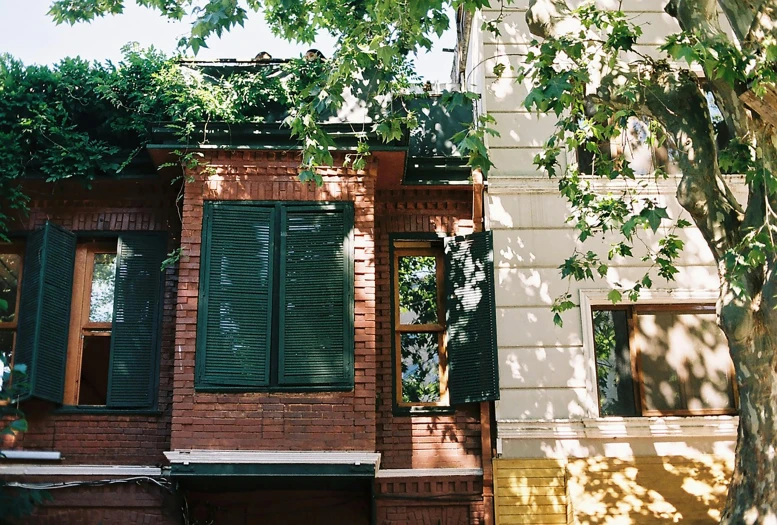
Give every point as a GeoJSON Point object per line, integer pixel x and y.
{"type": "Point", "coordinates": [613, 363]}
{"type": "Point", "coordinates": [418, 290]}
{"type": "Point", "coordinates": [95, 361]}
{"type": "Point", "coordinates": [697, 361]}
{"type": "Point", "coordinates": [10, 263]}
{"type": "Point", "coordinates": [420, 368]}
{"type": "Point", "coordinates": [103, 285]}
{"type": "Point", "coordinates": [6, 349]}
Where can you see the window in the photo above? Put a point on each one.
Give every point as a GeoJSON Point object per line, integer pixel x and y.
{"type": "Point", "coordinates": [276, 297]}
{"type": "Point", "coordinates": [89, 348]}
{"type": "Point", "coordinates": [444, 324]}
{"type": "Point", "coordinates": [89, 316]}
{"type": "Point", "coordinates": [419, 324]}
{"type": "Point", "coordinates": [662, 360]}
{"type": "Point", "coordinates": [10, 279]}
{"type": "Point", "coordinates": [636, 148]}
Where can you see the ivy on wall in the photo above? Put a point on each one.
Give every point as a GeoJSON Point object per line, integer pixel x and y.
{"type": "Point", "coordinates": [81, 120]}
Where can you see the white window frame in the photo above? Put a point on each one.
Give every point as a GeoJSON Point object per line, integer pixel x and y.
{"type": "Point", "coordinates": [598, 297]}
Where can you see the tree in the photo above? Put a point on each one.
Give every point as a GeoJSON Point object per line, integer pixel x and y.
{"type": "Point", "coordinates": [377, 41]}
{"type": "Point", "coordinates": [587, 71]}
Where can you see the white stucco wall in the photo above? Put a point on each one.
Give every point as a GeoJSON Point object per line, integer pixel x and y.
{"type": "Point", "coordinates": [545, 373]}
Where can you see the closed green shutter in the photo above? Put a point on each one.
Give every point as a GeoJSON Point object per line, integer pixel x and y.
{"type": "Point", "coordinates": [235, 313]}
{"type": "Point", "coordinates": [316, 297]}
{"type": "Point", "coordinates": [44, 310]}
{"type": "Point", "coordinates": [473, 373]}
{"type": "Point", "coordinates": [134, 367]}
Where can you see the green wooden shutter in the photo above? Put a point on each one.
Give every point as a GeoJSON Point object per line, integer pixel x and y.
{"type": "Point", "coordinates": [473, 372]}
{"type": "Point", "coordinates": [44, 310]}
{"type": "Point", "coordinates": [316, 297]}
{"type": "Point", "coordinates": [135, 341]}
{"type": "Point", "coordinates": [235, 308]}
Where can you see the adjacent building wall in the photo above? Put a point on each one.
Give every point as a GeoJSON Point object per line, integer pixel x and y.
{"type": "Point", "coordinates": [548, 406]}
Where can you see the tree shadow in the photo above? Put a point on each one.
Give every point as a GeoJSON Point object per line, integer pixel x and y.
{"type": "Point", "coordinates": [647, 489]}
{"type": "Point", "coordinates": [605, 490]}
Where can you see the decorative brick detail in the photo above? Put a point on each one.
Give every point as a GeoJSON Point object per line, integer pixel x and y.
{"type": "Point", "coordinates": [147, 205]}
{"type": "Point", "coordinates": [418, 441]}
{"type": "Point", "coordinates": [448, 500]}
{"type": "Point", "coordinates": [276, 421]}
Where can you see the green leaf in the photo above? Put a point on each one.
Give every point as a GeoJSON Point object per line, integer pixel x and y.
{"type": "Point", "coordinates": [653, 216]}
{"type": "Point", "coordinates": [614, 296]}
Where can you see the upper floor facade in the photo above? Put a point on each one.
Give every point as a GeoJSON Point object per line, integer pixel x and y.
{"type": "Point", "coordinates": [636, 398]}
{"type": "Point", "coordinates": [239, 326]}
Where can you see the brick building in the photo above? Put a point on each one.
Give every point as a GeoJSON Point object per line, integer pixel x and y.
{"type": "Point", "coordinates": [319, 354]}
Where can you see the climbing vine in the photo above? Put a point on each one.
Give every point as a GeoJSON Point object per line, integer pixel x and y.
{"type": "Point", "coordinates": [81, 120]}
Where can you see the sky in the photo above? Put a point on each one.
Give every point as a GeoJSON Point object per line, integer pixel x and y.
{"type": "Point", "coordinates": [27, 33]}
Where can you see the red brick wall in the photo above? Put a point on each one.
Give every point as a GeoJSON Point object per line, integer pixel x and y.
{"type": "Point", "coordinates": [418, 441]}
{"type": "Point", "coordinates": [275, 421]}
{"type": "Point", "coordinates": [429, 501]}
{"type": "Point", "coordinates": [139, 502]}
{"type": "Point", "coordinates": [106, 438]}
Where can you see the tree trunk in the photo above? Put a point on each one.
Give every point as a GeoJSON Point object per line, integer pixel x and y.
{"type": "Point", "coordinates": [752, 495]}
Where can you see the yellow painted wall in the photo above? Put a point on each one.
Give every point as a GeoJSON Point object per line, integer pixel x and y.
{"type": "Point", "coordinates": [643, 490]}
{"type": "Point", "coordinates": [530, 491]}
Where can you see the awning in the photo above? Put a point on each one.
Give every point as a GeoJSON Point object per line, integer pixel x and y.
{"type": "Point", "coordinates": [261, 463]}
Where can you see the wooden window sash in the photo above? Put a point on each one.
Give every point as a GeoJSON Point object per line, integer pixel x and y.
{"type": "Point", "coordinates": [636, 367]}
{"type": "Point", "coordinates": [420, 249]}
{"type": "Point", "coordinates": [14, 249]}
{"type": "Point", "coordinates": [677, 309]}
{"type": "Point", "coordinates": [12, 326]}
{"type": "Point", "coordinates": [80, 326]}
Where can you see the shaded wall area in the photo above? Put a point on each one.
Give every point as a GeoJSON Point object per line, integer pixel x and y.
{"type": "Point", "coordinates": [281, 507]}
{"type": "Point", "coordinates": [136, 502]}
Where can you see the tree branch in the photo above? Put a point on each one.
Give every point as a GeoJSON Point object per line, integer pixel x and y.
{"type": "Point", "coordinates": [702, 190]}
{"type": "Point", "coordinates": [740, 14]}
{"type": "Point", "coordinates": [763, 25]}
{"type": "Point", "coordinates": [701, 17]}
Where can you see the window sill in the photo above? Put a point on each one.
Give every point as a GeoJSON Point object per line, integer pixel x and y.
{"type": "Point", "coordinates": [400, 411]}
{"type": "Point", "coordinates": [723, 427]}
{"type": "Point", "coordinates": [209, 389]}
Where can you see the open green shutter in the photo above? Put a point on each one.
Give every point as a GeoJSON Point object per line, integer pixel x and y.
{"type": "Point", "coordinates": [316, 297]}
{"type": "Point", "coordinates": [44, 310]}
{"type": "Point", "coordinates": [473, 372]}
{"type": "Point", "coordinates": [135, 341]}
{"type": "Point", "coordinates": [235, 313]}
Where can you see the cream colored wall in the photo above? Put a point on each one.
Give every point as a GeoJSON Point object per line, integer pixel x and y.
{"type": "Point", "coordinates": [545, 373]}
{"type": "Point", "coordinates": [543, 367]}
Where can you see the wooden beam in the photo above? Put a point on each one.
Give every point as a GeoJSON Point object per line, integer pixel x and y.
{"type": "Point", "coordinates": [765, 106]}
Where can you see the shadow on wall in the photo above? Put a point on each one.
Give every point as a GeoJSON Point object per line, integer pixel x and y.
{"type": "Point", "coordinates": [612, 491]}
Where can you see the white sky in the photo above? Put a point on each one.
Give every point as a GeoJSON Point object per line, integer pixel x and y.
{"type": "Point", "coordinates": [27, 33]}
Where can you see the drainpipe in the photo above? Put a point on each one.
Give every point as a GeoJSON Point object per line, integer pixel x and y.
{"type": "Point", "coordinates": [486, 444]}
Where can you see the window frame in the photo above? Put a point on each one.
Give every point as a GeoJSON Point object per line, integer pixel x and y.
{"type": "Point", "coordinates": [346, 208]}
{"type": "Point", "coordinates": [661, 301]}
{"type": "Point", "coordinates": [80, 326]}
{"type": "Point", "coordinates": [17, 248]}
{"type": "Point", "coordinates": [420, 249]}
{"type": "Point", "coordinates": [418, 244]}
